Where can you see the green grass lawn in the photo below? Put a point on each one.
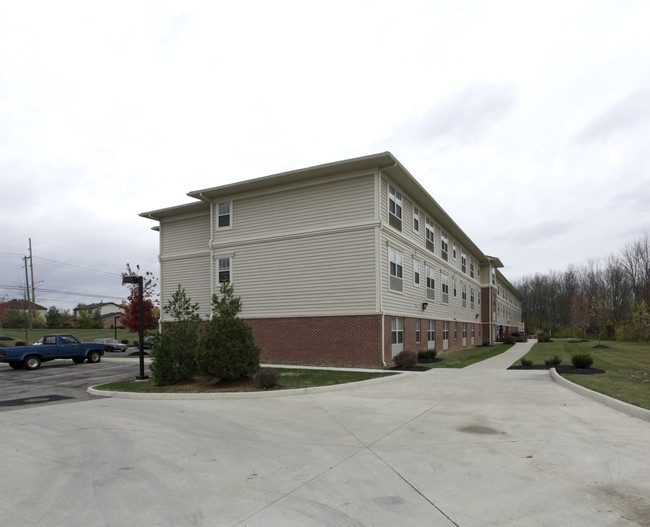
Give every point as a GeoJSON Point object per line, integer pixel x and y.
{"type": "Point", "coordinates": [84, 335]}
{"type": "Point", "coordinates": [626, 365]}
{"type": "Point", "coordinates": [290, 379]}
{"type": "Point", "coordinates": [462, 358]}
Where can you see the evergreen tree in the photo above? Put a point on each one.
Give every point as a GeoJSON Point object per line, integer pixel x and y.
{"type": "Point", "coordinates": [227, 349]}
{"type": "Point", "coordinates": [174, 350]}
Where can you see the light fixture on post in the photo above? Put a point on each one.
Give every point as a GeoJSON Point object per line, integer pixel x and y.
{"type": "Point", "coordinates": [138, 280]}
{"type": "Point", "coordinates": [424, 305]}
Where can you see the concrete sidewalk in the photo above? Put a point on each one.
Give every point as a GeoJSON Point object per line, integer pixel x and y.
{"type": "Point", "coordinates": [471, 447]}
{"type": "Point", "coordinates": [504, 360]}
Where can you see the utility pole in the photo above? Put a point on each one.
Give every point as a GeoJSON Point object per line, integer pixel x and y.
{"type": "Point", "coordinates": [27, 300]}
{"type": "Point", "coordinates": [31, 265]}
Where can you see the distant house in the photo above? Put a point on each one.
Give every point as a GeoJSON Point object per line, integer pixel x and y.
{"type": "Point", "coordinates": [345, 263]}
{"type": "Point", "coordinates": [107, 310]}
{"type": "Point", "coordinates": [19, 305]}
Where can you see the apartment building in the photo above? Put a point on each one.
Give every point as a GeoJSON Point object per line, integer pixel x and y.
{"type": "Point", "coordinates": [346, 263]}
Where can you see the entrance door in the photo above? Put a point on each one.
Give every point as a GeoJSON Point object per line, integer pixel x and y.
{"type": "Point", "coordinates": [445, 336]}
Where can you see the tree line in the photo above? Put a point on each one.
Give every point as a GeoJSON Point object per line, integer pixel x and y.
{"type": "Point", "coordinates": [608, 297]}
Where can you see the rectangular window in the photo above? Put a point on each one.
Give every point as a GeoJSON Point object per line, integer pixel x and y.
{"type": "Point", "coordinates": [224, 270]}
{"type": "Point", "coordinates": [471, 267]}
{"type": "Point", "coordinates": [416, 219]}
{"type": "Point", "coordinates": [463, 294]}
{"type": "Point", "coordinates": [395, 264]}
{"type": "Point", "coordinates": [444, 245]}
{"type": "Point", "coordinates": [223, 212]}
{"type": "Point", "coordinates": [417, 330]}
{"type": "Point", "coordinates": [455, 293]}
{"type": "Point", "coordinates": [494, 277]}
{"type": "Point", "coordinates": [445, 331]}
{"type": "Point", "coordinates": [453, 248]}
{"type": "Point", "coordinates": [394, 208]}
{"type": "Point", "coordinates": [463, 261]}
{"type": "Point", "coordinates": [431, 283]}
{"type": "Point", "coordinates": [471, 298]}
{"type": "Point", "coordinates": [464, 330]}
{"type": "Point", "coordinates": [431, 332]}
{"type": "Point", "coordinates": [445, 288]}
{"type": "Point", "coordinates": [430, 234]}
{"type": "Point", "coordinates": [416, 271]}
{"type": "Point", "coordinates": [397, 330]}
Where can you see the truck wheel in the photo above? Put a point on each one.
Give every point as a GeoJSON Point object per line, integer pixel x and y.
{"type": "Point", "coordinates": [16, 364]}
{"type": "Point", "coordinates": [78, 360]}
{"type": "Point", "coordinates": [33, 362]}
{"type": "Point", "coordinates": [94, 356]}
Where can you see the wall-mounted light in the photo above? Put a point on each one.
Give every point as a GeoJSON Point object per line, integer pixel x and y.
{"type": "Point", "coordinates": [424, 305]}
{"type": "Point", "coordinates": [476, 315]}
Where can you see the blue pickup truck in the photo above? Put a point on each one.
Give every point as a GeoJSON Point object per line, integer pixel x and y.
{"type": "Point", "coordinates": [52, 347]}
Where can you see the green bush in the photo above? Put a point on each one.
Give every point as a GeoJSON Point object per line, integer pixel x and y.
{"type": "Point", "coordinates": [552, 362]}
{"type": "Point", "coordinates": [174, 352]}
{"type": "Point", "coordinates": [508, 339]}
{"type": "Point", "coordinates": [406, 359]}
{"type": "Point", "coordinates": [543, 337]}
{"type": "Point", "coordinates": [582, 360]}
{"type": "Point", "coordinates": [521, 338]}
{"type": "Point", "coordinates": [429, 354]}
{"type": "Point", "coordinates": [526, 363]}
{"type": "Point", "coordinates": [267, 378]}
{"type": "Point", "coordinates": [227, 349]}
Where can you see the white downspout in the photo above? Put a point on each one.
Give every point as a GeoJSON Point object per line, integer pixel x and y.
{"type": "Point", "coordinates": [379, 268]}
{"type": "Point", "coordinates": [210, 246]}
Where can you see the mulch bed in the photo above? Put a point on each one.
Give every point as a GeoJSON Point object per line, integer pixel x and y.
{"type": "Point", "coordinates": [414, 368]}
{"type": "Point", "coordinates": [561, 369]}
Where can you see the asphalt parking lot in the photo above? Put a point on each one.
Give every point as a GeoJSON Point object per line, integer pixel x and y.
{"type": "Point", "coordinates": [60, 381]}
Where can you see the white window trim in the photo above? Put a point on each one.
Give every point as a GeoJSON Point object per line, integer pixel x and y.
{"type": "Point", "coordinates": [230, 216]}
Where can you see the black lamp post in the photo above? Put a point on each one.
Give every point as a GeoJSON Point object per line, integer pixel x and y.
{"type": "Point", "coordinates": [138, 280]}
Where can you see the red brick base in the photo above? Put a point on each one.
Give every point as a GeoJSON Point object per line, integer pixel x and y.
{"type": "Point", "coordinates": [336, 341]}
{"type": "Point", "coordinates": [348, 340]}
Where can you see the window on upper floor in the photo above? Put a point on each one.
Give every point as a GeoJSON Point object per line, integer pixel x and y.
{"type": "Point", "coordinates": [444, 245]}
{"type": "Point", "coordinates": [455, 293]}
{"type": "Point", "coordinates": [395, 269]}
{"type": "Point", "coordinates": [224, 270]}
{"type": "Point", "coordinates": [224, 215]}
{"type": "Point", "coordinates": [431, 283]}
{"type": "Point", "coordinates": [463, 294]}
{"type": "Point", "coordinates": [453, 249]}
{"type": "Point", "coordinates": [463, 261]}
{"type": "Point", "coordinates": [494, 277]}
{"type": "Point", "coordinates": [430, 234]}
{"type": "Point", "coordinates": [471, 298]}
{"type": "Point", "coordinates": [416, 219]}
{"type": "Point", "coordinates": [394, 208]}
{"type": "Point", "coordinates": [416, 272]}
{"type": "Point", "coordinates": [445, 287]}
{"type": "Point", "coordinates": [471, 267]}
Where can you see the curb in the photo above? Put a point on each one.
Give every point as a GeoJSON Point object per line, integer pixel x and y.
{"type": "Point", "coordinates": [626, 408]}
{"type": "Point", "coordinates": [247, 395]}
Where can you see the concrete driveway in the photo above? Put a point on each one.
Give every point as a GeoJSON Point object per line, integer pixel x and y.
{"type": "Point", "coordinates": [473, 447]}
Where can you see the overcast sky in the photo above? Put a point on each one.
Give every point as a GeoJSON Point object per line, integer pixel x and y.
{"type": "Point", "coordinates": [527, 121]}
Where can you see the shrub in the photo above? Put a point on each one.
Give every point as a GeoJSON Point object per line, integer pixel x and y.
{"type": "Point", "coordinates": [582, 360]}
{"type": "Point", "coordinates": [526, 363]}
{"type": "Point", "coordinates": [227, 349]}
{"type": "Point", "coordinates": [174, 353]}
{"type": "Point", "coordinates": [552, 362]}
{"type": "Point", "coordinates": [406, 359]}
{"type": "Point", "coordinates": [125, 341]}
{"type": "Point", "coordinates": [521, 338]}
{"type": "Point", "coordinates": [508, 339]}
{"type": "Point", "coordinates": [429, 354]}
{"type": "Point", "coordinates": [486, 343]}
{"type": "Point", "coordinates": [543, 337]}
{"type": "Point", "coordinates": [267, 378]}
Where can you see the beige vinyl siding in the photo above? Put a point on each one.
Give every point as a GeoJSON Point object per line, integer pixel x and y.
{"type": "Point", "coordinates": [193, 275]}
{"type": "Point", "coordinates": [187, 235]}
{"type": "Point", "coordinates": [329, 204]}
{"type": "Point", "coordinates": [409, 301]}
{"type": "Point", "coordinates": [312, 275]}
